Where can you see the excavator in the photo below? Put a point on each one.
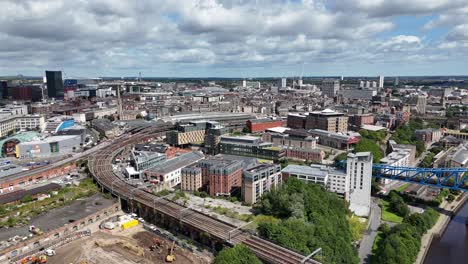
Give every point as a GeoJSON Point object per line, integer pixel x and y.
{"type": "Point", "coordinates": [156, 244]}
{"type": "Point", "coordinates": [34, 260]}
{"type": "Point", "coordinates": [170, 257]}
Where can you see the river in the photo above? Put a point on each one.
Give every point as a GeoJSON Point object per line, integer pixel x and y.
{"type": "Point", "coordinates": [452, 247]}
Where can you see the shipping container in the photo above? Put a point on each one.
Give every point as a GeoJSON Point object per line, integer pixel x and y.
{"type": "Point", "coordinates": [129, 224]}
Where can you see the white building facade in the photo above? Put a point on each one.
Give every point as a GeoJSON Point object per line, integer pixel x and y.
{"type": "Point", "coordinates": [359, 171]}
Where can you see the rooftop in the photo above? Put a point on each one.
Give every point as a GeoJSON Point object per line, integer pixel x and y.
{"type": "Point", "coordinates": [160, 148]}
{"type": "Point", "coordinates": [277, 129]}
{"type": "Point", "coordinates": [373, 128]}
{"type": "Point", "coordinates": [315, 169]}
{"type": "Point", "coordinates": [51, 139]}
{"type": "Point", "coordinates": [177, 162]}
{"type": "Point", "coordinates": [326, 112]}
{"type": "Point", "coordinates": [265, 120]}
{"type": "Point", "coordinates": [247, 162]}
{"type": "Point", "coordinates": [260, 167]}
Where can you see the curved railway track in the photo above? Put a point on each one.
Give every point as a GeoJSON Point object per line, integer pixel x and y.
{"type": "Point", "coordinates": [100, 166]}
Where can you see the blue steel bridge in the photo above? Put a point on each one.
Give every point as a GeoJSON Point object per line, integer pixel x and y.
{"type": "Point", "coordinates": [451, 178]}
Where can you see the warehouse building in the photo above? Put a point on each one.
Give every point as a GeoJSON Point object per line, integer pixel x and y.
{"type": "Point", "coordinates": [55, 145]}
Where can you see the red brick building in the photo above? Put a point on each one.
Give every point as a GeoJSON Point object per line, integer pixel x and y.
{"type": "Point", "coordinates": [310, 155]}
{"type": "Point", "coordinates": [260, 125]}
{"type": "Point", "coordinates": [221, 177]}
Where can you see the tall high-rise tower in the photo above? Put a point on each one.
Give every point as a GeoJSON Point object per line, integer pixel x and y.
{"type": "Point", "coordinates": [54, 84]}
{"type": "Point", "coordinates": [381, 81]}
{"type": "Point", "coordinates": [359, 171]}
{"type": "Point", "coordinates": [282, 83]}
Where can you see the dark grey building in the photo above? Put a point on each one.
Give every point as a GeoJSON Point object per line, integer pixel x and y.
{"type": "Point", "coordinates": [54, 84]}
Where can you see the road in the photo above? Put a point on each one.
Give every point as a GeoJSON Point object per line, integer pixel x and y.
{"type": "Point", "coordinates": [365, 249]}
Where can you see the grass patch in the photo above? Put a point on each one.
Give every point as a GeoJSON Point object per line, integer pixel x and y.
{"type": "Point", "coordinates": [231, 214]}
{"type": "Point", "coordinates": [387, 215]}
{"type": "Point", "coordinates": [403, 187]}
{"type": "Point", "coordinates": [357, 227]}
{"type": "Point", "coordinates": [18, 215]}
{"type": "Point", "coordinates": [179, 195]}
{"type": "Point", "coordinates": [163, 193]}
{"type": "Point", "coordinates": [375, 246]}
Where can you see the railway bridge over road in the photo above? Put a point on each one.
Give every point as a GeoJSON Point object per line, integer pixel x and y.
{"type": "Point", "coordinates": [198, 226]}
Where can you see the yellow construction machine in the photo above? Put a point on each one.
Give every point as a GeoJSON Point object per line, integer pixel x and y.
{"type": "Point", "coordinates": [170, 257]}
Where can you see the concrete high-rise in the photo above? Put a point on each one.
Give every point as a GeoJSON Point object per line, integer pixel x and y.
{"type": "Point", "coordinates": [282, 83]}
{"type": "Point", "coordinates": [381, 81]}
{"type": "Point", "coordinates": [359, 171]}
{"type": "Point", "coordinates": [54, 84]}
{"type": "Point", "coordinates": [368, 84]}
{"type": "Point", "coordinates": [330, 87]}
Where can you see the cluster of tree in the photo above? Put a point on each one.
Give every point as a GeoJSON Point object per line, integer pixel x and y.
{"type": "Point", "coordinates": [398, 205]}
{"type": "Point", "coordinates": [311, 218]}
{"type": "Point", "coordinates": [342, 156]}
{"type": "Point", "coordinates": [436, 150]}
{"type": "Point", "coordinates": [427, 161]}
{"type": "Point", "coordinates": [374, 135]}
{"type": "Point", "coordinates": [401, 243]}
{"type": "Point", "coordinates": [240, 254]}
{"type": "Point", "coordinates": [453, 110]}
{"type": "Point", "coordinates": [442, 194]}
{"type": "Point", "coordinates": [405, 135]}
{"type": "Point", "coordinates": [366, 144]}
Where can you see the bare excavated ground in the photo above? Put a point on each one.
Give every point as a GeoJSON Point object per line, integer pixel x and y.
{"type": "Point", "coordinates": [122, 247]}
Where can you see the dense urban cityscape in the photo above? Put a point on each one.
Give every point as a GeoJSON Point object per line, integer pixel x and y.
{"type": "Point", "coordinates": [341, 143]}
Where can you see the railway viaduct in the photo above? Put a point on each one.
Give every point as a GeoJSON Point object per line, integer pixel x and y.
{"type": "Point", "coordinates": [163, 212]}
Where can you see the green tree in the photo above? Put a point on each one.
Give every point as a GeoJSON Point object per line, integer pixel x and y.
{"type": "Point", "coordinates": [310, 217]}
{"type": "Point", "coordinates": [366, 144]}
{"type": "Point", "coordinates": [240, 254]}
{"type": "Point", "coordinates": [341, 157]}
{"type": "Point", "coordinates": [427, 161]}
{"type": "Point", "coordinates": [398, 205]}
{"type": "Point", "coordinates": [401, 243]}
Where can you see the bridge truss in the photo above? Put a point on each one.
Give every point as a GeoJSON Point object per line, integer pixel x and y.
{"type": "Point", "coordinates": [451, 178]}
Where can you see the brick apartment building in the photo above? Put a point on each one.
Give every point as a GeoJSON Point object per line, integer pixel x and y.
{"type": "Point", "coordinates": [220, 176]}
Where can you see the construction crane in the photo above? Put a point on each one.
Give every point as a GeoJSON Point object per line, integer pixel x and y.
{"type": "Point", "coordinates": [170, 257]}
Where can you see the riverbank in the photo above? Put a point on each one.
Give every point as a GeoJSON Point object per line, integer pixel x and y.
{"type": "Point", "coordinates": [440, 226]}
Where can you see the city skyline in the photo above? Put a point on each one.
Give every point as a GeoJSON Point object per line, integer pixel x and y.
{"type": "Point", "coordinates": [235, 38]}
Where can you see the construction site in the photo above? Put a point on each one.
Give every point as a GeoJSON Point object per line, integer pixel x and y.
{"type": "Point", "coordinates": [133, 245]}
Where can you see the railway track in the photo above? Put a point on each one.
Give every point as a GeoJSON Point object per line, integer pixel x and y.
{"type": "Point", "coordinates": [101, 168]}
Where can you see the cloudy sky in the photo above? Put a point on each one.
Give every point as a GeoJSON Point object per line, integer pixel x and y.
{"type": "Point", "coordinates": [234, 38]}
